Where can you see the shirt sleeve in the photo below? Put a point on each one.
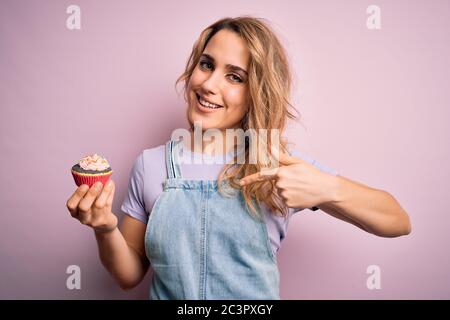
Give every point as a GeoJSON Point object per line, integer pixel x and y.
{"type": "Point", "coordinates": [318, 165]}
{"type": "Point", "coordinates": [134, 204]}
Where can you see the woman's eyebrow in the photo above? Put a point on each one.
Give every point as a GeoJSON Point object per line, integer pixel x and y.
{"type": "Point", "coordinates": [229, 66]}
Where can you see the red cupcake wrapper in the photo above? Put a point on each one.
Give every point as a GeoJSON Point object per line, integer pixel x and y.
{"type": "Point", "coordinates": [90, 179]}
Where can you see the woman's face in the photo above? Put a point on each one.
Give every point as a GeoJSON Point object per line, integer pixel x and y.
{"type": "Point", "coordinates": [218, 79]}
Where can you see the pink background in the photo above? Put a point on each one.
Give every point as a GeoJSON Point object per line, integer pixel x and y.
{"type": "Point", "coordinates": [374, 106]}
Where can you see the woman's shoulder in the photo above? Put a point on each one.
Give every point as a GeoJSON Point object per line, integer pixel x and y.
{"type": "Point", "coordinates": [154, 152]}
{"type": "Point", "coordinates": [150, 159]}
{"type": "Point", "coordinates": [308, 158]}
{"type": "Point", "coordinates": [157, 152]}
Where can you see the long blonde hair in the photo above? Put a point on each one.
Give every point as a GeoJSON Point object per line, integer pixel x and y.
{"type": "Point", "coordinates": [270, 83]}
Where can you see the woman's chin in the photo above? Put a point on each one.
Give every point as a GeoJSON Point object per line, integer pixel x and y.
{"type": "Point", "coordinates": [207, 123]}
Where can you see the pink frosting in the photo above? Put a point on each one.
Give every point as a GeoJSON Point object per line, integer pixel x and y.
{"type": "Point", "coordinates": [94, 162]}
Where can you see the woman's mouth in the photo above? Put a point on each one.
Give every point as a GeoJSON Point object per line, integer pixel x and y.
{"type": "Point", "coordinates": [205, 106]}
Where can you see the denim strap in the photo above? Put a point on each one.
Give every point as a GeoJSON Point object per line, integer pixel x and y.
{"type": "Point", "coordinates": [173, 167]}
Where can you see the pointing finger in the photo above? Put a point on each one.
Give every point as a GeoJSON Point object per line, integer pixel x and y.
{"type": "Point", "coordinates": [282, 158]}
{"type": "Point", "coordinates": [287, 160]}
{"type": "Point", "coordinates": [259, 176]}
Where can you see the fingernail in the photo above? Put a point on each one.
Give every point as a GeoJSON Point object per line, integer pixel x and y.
{"type": "Point", "coordinates": [241, 183]}
{"type": "Point", "coordinates": [97, 185]}
{"type": "Point", "coordinates": [108, 184]}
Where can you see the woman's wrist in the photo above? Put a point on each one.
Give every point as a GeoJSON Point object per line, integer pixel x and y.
{"type": "Point", "coordinates": [107, 228]}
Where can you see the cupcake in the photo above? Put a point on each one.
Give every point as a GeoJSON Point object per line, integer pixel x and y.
{"type": "Point", "coordinates": [91, 169]}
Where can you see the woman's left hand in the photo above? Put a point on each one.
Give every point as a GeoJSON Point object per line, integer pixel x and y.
{"type": "Point", "coordinates": [299, 183]}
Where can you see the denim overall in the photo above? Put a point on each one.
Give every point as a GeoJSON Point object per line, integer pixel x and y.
{"type": "Point", "coordinates": [203, 245]}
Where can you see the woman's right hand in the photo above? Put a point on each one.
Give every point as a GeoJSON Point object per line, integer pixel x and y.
{"type": "Point", "coordinates": [93, 206]}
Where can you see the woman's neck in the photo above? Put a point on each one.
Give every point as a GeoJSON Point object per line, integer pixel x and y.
{"type": "Point", "coordinates": [209, 146]}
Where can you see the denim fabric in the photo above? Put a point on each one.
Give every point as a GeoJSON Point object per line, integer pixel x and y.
{"type": "Point", "coordinates": [203, 245]}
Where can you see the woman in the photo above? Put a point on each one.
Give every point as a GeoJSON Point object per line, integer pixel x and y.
{"type": "Point", "coordinates": [209, 238]}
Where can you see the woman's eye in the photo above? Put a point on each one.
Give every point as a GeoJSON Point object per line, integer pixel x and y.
{"type": "Point", "coordinates": [236, 78]}
{"type": "Point", "coordinates": [202, 63]}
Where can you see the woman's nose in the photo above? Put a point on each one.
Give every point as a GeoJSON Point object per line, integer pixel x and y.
{"type": "Point", "coordinates": [211, 84]}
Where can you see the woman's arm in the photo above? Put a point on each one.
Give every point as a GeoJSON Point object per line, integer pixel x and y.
{"type": "Point", "coordinates": [122, 252]}
{"type": "Point", "coordinates": [375, 211]}
{"type": "Point", "coordinates": [302, 185]}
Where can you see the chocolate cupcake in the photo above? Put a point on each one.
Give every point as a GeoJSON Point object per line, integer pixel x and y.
{"type": "Point", "coordinates": [91, 169]}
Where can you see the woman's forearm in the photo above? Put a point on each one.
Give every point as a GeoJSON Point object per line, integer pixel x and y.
{"type": "Point", "coordinates": [124, 264]}
{"type": "Point", "coordinates": [377, 210]}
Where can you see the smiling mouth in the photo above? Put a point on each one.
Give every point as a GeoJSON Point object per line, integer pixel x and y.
{"type": "Point", "coordinates": [207, 104]}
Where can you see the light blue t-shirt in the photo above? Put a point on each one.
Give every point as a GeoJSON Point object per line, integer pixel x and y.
{"type": "Point", "coordinates": [149, 172]}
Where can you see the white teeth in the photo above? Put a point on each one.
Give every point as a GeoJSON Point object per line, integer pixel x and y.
{"type": "Point", "coordinates": [207, 104]}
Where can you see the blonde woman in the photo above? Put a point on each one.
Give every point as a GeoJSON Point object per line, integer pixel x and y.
{"type": "Point", "coordinates": [212, 230]}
